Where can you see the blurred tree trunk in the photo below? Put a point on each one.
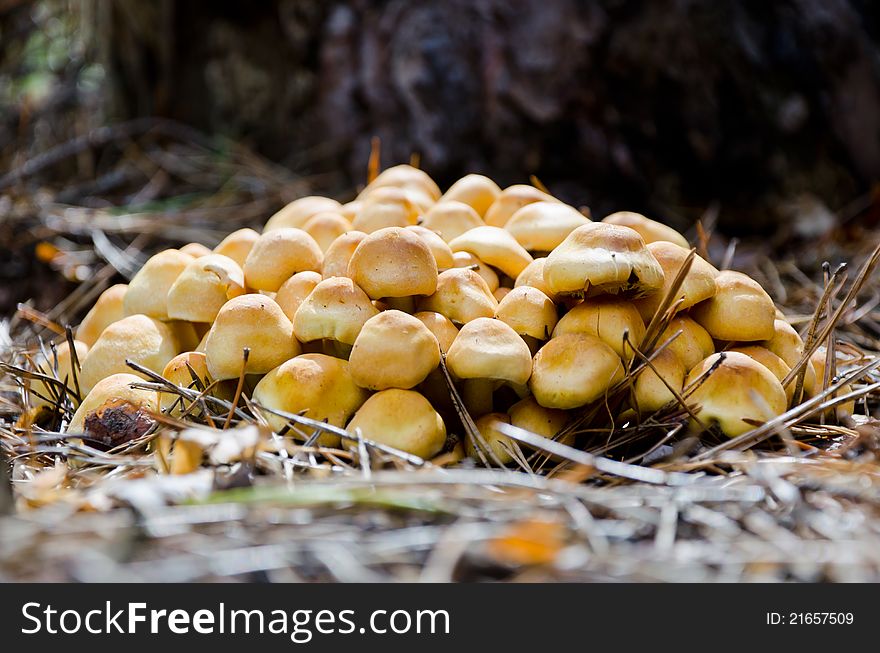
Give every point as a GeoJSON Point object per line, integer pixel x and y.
{"type": "Point", "coordinates": [660, 106]}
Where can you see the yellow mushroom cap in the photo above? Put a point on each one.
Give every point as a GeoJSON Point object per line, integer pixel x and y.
{"type": "Point", "coordinates": [693, 344]}
{"type": "Point", "coordinates": [386, 207]}
{"type": "Point", "coordinates": [769, 360]}
{"type": "Point", "coordinates": [336, 309]}
{"type": "Point", "coordinates": [468, 260]}
{"type": "Point", "coordinates": [528, 311]}
{"type": "Point", "coordinates": [738, 388]}
{"type": "Point", "coordinates": [462, 295]}
{"type": "Point", "coordinates": [739, 310]}
{"type": "Point", "coordinates": [441, 326]}
{"type": "Point", "coordinates": [338, 255]}
{"type": "Point", "coordinates": [402, 419]}
{"type": "Point", "coordinates": [698, 285]}
{"type": "Point", "coordinates": [573, 370]}
{"type": "Point", "coordinates": [113, 412]}
{"type": "Point", "coordinates": [238, 245]}
{"type": "Point", "coordinates": [294, 291]}
{"type": "Point", "coordinates": [501, 292]}
{"type": "Point", "coordinates": [511, 200]}
{"type": "Point", "coordinates": [255, 322]}
{"type": "Point", "coordinates": [326, 227]}
{"type": "Point", "coordinates": [142, 339]}
{"type": "Point", "coordinates": [319, 386]}
{"type": "Point", "coordinates": [788, 345]}
{"type": "Point", "coordinates": [649, 390]}
{"type": "Point", "coordinates": [451, 219]}
{"type": "Point", "coordinates": [107, 310]}
{"type": "Point", "coordinates": [650, 230]}
{"type": "Point", "coordinates": [148, 291]}
{"type": "Point", "coordinates": [203, 287]}
{"type": "Point", "coordinates": [817, 362]}
{"type": "Point", "coordinates": [607, 318]}
{"type": "Point", "coordinates": [196, 250]}
{"type": "Point", "coordinates": [541, 226]}
{"type": "Point", "coordinates": [477, 191]}
{"type": "Point", "coordinates": [407, 177]}
{"type": "Point", "coordinates": [494, 246]}
{"type": "Point", "coordinates": [393, 350]}
{"type": "Point", "coordinates": [278, 255]}
{"type": "Point", "coordinates": [64, 371]}
{"type": "Point", "coordinates": [533, 275]}
{"type": "Point", "coordinates": [393, 262]}
{"type": "Point", "coordinates": [500, 444]}
{"type": "Point", "coordinates": [439, 248]}
{"type": "Point", "coordinates": [298, 212]}
{"type": "Point", "coordinates": [528, 414]}
{"type": "Point", "coordinates": [602, 258]}
{"type": "Point", "coordinates": [486, 348]}
{"type": "Point", "coordinates": [177, 371]}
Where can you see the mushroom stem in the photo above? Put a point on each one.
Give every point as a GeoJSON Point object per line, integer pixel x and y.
{"type": "Point", "coordinates": [477, 395]}
{"type": "Point", "coordinates": [405, 304]}
{"type": "Point", "coordinates": [336, 349]}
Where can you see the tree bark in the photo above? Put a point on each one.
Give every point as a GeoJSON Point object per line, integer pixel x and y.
{"type": "Point", "coordinates": [664, 107]}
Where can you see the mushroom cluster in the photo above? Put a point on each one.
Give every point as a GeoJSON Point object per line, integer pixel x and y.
{"type": "Point", "coordinates": [344, 314]}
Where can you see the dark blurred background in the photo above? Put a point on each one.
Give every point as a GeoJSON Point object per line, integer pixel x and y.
{"type": "Point", "coordinates": [763, 115]}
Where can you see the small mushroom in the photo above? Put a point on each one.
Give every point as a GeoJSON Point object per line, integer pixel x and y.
{"type": "Point", "coordinates": [196, 250]}
{"type": "Point", "coordinates": [542, 226]}
{"type": "Point", "coordinates": [58, 366]}
{"type": "Point", "coordinates": [494, 246]}
{"type": "Point", "coordinates": [139, 338]}
{"type": "Point", "coordinates": [530, 313]}
{"type": "Point", "coordinates": [500, 444]}
{"type": "Point", "coordinates": [317, 386]}
{"type": "Point", "coordinates": [402, 419]}
{"type": "Point", "coordinates": [326, 227]}
{"type": "Point", "coordinates": [278, 255]}
{"type": "Point", "coordinates": [485, 354]}
{"type": "Point", "coordinates": [107, 310]}
{"type": "Point", "coordinates": [461, 295]}
{"type": "Point", "coordinates": [406, 177]}
{"type": "Point", "coordinates": [439, 248]}
{"type": "Point", "coordinates": [528, 414]}
{"type": "Point", "coordinates": [386, 207]}
{"type": "Point", "coordinates": [533, 275]}
{"type": "Point", "coordinates": [441, 326]}
{"type": "Point", "coordinates": [698, 285]}
{"type": "Point", "coordinates": [511, 200]}
{"type": "Point", "coordinates": [692, 345]}
{"type": "Point", "coordinates": [294, 291]}
{"type": "Point", "coordinates": [393, 350]}
{"type": "Point", "coordinates": [737, 389]}
{"type": "Point", "coordinates": [338, 255]}
{"type": "Point", "coordinates": [477, 191]}
{"type": "Point", "coordinates": [253, 322]}
{"type": "Point", "coordinates": [651, 390]}
{"type": "Point", "coordinates": [205, 284]}
{"type": "Point", "coordinates": [468, 260]}
{"type": "Point", "coordinates": [147, 292]}
{"type": "Point", "coordinates": [451, 219]}
{"type": "Point", "coordinates": [650, 230]}
{"type": "Point", "coordinates": [573, 370]}
{"type": "Point", "coordinates": [602, 258]}
{"type": "Point", "coordinates": [238, 245]}
{"type": "Point", "coordinates": [394, 264]}
{"type": "Point", "coordinates": [334, 313]}
{"type": "Point", "coordinates": [769, 360]}
{"type": "Point", "coordinates": [840, 411]}
{"type": "Point", "coordinates": [299, 211]}
{"type": "Point", "coordinates": [113, 412]}
{"type": "Point", "coordinates": [607, 318]}
{"type": "Point", "coordinates": [740, 310]}
{"type": "Point", "coordinates": [179, 371]}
